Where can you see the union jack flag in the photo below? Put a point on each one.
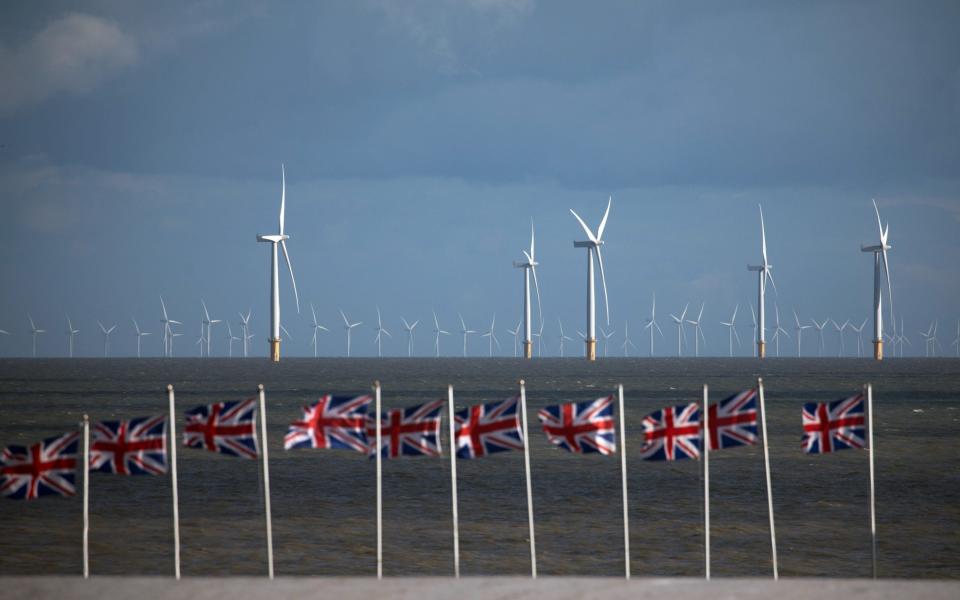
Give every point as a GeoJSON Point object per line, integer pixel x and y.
{"type": "Point", "coordinates": [672, 433]}
{"type": "Point", "coordinates": [487, 428]}
{"type": "Point", "coordinates": [583, 427]}
{"type": "Point", "coordinates": [331, 422]}
{"type": "Point", "coordinates": [43, 469]}
{"type": "Point", "coordinates": [411, 431]}
{"type": "Point", "coordinates": [832, 426]}
{"type": "Point", "coordinates": [224, 427]}
{"type": "Point", "coordinates": [134, 447]}
{"type": "Point", "coordinates": [733, 422]}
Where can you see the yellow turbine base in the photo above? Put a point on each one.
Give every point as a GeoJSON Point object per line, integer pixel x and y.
{"type": "Point", "coordinates": [762, 349]}
{"type": "Point", "coordinates": [528, 349]}
{"type": "Point", "coordinates": [591, 349]}
{"type": "Point", "coordinates": [878, 350]}
{"type": "Point", "coordinates": [275, 350]}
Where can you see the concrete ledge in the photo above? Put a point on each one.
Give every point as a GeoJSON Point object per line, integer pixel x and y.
{"type": "Point", "coordinates": [429, 588]}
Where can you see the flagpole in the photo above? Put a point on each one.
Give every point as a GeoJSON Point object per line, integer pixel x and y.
{"type": "Point", "coordinates": [766, 468]}
{"type": "Point", "coordinates": [453, 486]}
{"type": "Point", "coordinates": [623, 477]}
{"type": "Point", "coordinates": [173, 483]}
{"type": "Point", "coordinates": [873, 505]}
{"type": "Point", "coordinates": [266, 482]}
{"type": "Point", "coordinates": [376, 387]}
{"type": "Point", "coordinates": [705, 439]}
{"type": "Point", "coordinates": [86, 497]}
{"type": "Point", "coordinates": [526, 464]}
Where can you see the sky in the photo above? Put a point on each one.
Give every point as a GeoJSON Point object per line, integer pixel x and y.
{"type": "Point", "coordinates": [141, 146]}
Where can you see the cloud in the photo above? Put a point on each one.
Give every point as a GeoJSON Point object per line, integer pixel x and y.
{"type": "Point", "coordinates": [73, 54]}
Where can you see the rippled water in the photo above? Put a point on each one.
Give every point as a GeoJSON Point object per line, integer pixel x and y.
{"type": "Point", "coordinates": [323, 501]}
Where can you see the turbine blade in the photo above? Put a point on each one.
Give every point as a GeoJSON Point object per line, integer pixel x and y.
{"type": "Point", "coordinates": [886, 269]}
{"type": "Point", "coordinates": [345, 321]}
{"type": "Point", "coordinates": [286, 256]}
{"type": "Point", "coordinates": [763, 237]}
{"type": "Point", "coordinates": [313, 312]}
{"type": "Point", "coordinates": [584, 225]}
{"type": "Point", "coordinates": [533, 241]}
{"type": "Point", "coordinates": [603, 279]}
{"type": "Point", "coordinates": [536, 285]}
{"type": "Point", "coordinates": [603, 222]}
{"type": "Point", "coordinates": [283, 196]}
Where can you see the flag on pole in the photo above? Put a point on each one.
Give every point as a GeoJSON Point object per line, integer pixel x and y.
{"type": "Point", "coordinates": [411, 431]}
{"type": "Point", "coordinates": [583, 427]}
{"type": "Point", "coordinates": [44, 469]}
{"type": "Point", "coordinates": [832, 426]}
{"type": "Point", "coordinates": [224, 427]}
{"type": "Point", "coordinates": [487, 428]}
{"type": "Point", "coordinates": [331, 422]}
{"type": "Point", "coordinates": [733, 422]}
{"type": "Point", "coordinates": [134, 447]}
{"type": "Point", "coordinates": [672, 433]}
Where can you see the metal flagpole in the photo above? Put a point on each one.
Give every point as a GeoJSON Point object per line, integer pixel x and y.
{"type": "Point", "coordinates": [376, 387]}
{"type": "Point", "coordinates": [173, 482]}
{"type": "Point", "coordinates": [453, 486]}
{"type": "Point", "coordinates": [623, 476]}
{"type": "Point", "coordinates": [766, 467]}
{"type": "Point", "coordinates": [705, 443]}
{"type": "Point", "coordinates": [86, 497]}
{"type": "Point", "coordinates": [266, 482]}
{"type": "Point", "coordinates": [526, 464]}
{"type": "Point", "coordinates": [873, 505]}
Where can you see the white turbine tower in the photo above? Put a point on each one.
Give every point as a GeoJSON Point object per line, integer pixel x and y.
{"type": "Point", "coordinates": [627, 343]}
{"type": "Point", "coordinates": [437, 332]}
{"type": "Point", "coordinates": [592, 245]}
{"type": "Point", "coordinates": [140, 335]}
{"type": "Point", "coordinates": [380, 331]}
{"type": "Point", "coordinates": [201, 339]}
{"type": "Point", "coordinates": [278, 240]}
{"type": "Point", "coordinates": [106, 337]}
{"type": "Point", "coordinates": [859, 331]}
{"type": "Point", "coordinates": [209, 323]}
{"type": "Point", "coordinates": [245, 325]}
{"type": "Point", "coordinates": [764, 273]}
{"type": "Point", "coordinates": [167, 330]}
{"type": "Point", "coordinates": [928, 339]}
{"type": "Point", "coordinates": [349, 327]}
{"type": "Point", "coordinates": [35, 331]}
{"type": "Point", "coordinates": [529, 266]}
{"type": "Point", "coordinates": [679, 322]}
{"type": "Point", "coordinates": [490, 334]}
{"type": "Point", "coordinates": [317, 328]}
{"type": "Point", "coordinates": [697, 331]}
{"type": "Point", "coordinates": [778, 331]}
{"type": "Point", "coordinates": [753, 315]}
{"type": "Point", "coordinates": [880, 252]}
{"type": "Point", "coordinates": [819, 327]}
{"type": "Point", "coordinates": [516, 337]}
{"type": "Point", "coordinates": [173, 335]}
{"type": "Point", "coordinates": [230, 339]}
{"type": "Point", "coordinates": [71, 332]}
{"type": "Point", "coordinates": [562, 337]}
{"type": "Point", "coordinates": [409, 327]}
{"type": "Point", "coordinates": [465, 332]}
{"type": "Point", "coordinates": [731, 326]}
{"type": "Point", "coordinates": [652, 323]}
{"type": "Point", "coordinates": [799, 329]}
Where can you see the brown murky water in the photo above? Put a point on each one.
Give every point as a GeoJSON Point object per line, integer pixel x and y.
{"type": "Point", "coordinates": [323, 501]}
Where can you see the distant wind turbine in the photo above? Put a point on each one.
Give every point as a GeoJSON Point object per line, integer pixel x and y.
{"type": "Point", "coordinates": [35, 331]}
{"type": "Point", "coordinates": [317, 328]}
{"type": "Point", "coordinates": [380, 331]}
{"type": "Point", "coordinates": [71, 332]}
{"type": "Point", "coordinates": [753, 315]}
{"type": "Point", "coordinates": [349, 327]}
{"type": "Point", "coordinates": [490, 334]}
{"type": "Point", "coordinates": [799, 329]}
{"type": "Point", "coordinates": [409, 327]}
{"type": "Point", "coordinates": [167, 330]}
{"type": "Point", "coordinates": [231, 339]}
{"type": "Point", "coordinates": [562, 337]}
{"type": "Point", "coordinates": [465, 332]}
{"type": "Point", "coordinates": [819, 327]}
{"type": "Point", "coordinates": [840, 329]}
{"type": "Point", "coordinates": [764, 273]}
{"type": "Point", "coordinates": [209, 323]}
{"type": "Point", "coordinates": [652, 322]}
{"type": "Point", "coordinates": [516, 337]}
{"type": "Point", "coordinates": [956, 341]}
{"type": "Point", "coordinates": [437, 332]}
{"type": "Point", "coordinates": [106, 337]}
{"type": "Point", "coordinates": [778, 331]}
{"type": "Point", "coordinates": [529, 266]}
{"type": "Point", "coordinates": [606, 340]}
{"type": "Point", "coordinates": [859, 331]}
{"type": "Point", "coordinates": [697, 331]}
{"type": "Point", "coordinates": [140, 335]}
{"type": "Point", "coordinates": [592, 244]}
{"type": "Point", "coordinates": [627, 343]}
{"type": "Point", "coordinates": [679, 322]}
{"type": "Point", "coordinates": [880, 252]}
{"type": "Point", "coordinates": [731, 326]}
{"type": "Point", "coordinates": [245, 325]}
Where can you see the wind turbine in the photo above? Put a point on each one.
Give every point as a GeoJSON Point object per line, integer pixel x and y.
{"type": "Point", "coordinates": [167, 330]}
{"type": "Point", "coordinates": [285, 332]}
{"type": "Point", "coordinates": [764, 273]}
{"type": "Point", "coordinates": [732, 328]}
{"type": "Point", "coordinates": [679, 322]}
{"type": "Point", "coordinates": [201, 339]}
{"type": "Point", "coordinates": [903, 338]}
{"type": "Point", "coordinates": [956, 342]}
{"type": "Point", "coordinates": [819, 327]}
{"type": "Point", "coordinates": [173, 335]}
{"type": "Point", "coordinates": [317, 327]}
{"type": "Point", "coordinates": [592, 245]}
{"type": "Point", "coordinates": [529, 266]}
{"type": "Point", "coordinates": [697, 332]}
{"type": "Point", "coordinates": [36, 331]}
{"type": "Point", "coordinates": [209, 324]}
{"type": "Point", "coordinates": [799, 329]}
{"type": "Point", "coordinates": [516, 337]}
{"type": "Point", "coordinates": [606, 340]}
{"type": "Point", "coordinates": [626, 339]}
{"type": "Point", "coordinates": [409, 327]}
{"type": "Point", "coordinates": [490, 334]}
{"type": "Point", "coordinates": [880, 251]}
{"type": "Point", "coordinates": [106, 337]}
{"type": "Point", "coordinates": [840, 329]}
{"type": "Point", "coordinates": [779, 330]}
{"type": "Point", "coordinates": [245, 325]}
{"type": "Point", "coordinates": [140, 335]}
{"type": "Point", "coordinates": [438, 332]}
{"type": "Point", "coordinates": [562, 337]}
{"type": "Point", "coordinates": [380, 331]}
{"type": "Point", "coordinates": [652, 322]}
{"type": "Point", "coordinates": [349, 327]}
{"type": "Point", "coordinates": [859, 331]}
{"type": "Point", "coordinates": [70, 333]}
{"type": "Point", "coordinates": [231, 339]}
{"type": "Point", "coordinates": [539, 336]}
{"type": "Point", "coordinates": [465, 332]}
{"type": "Point", "coordinates": [278, 240]}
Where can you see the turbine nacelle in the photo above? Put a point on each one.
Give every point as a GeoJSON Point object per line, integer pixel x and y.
{"type": "Point", "coordinates": [276, 239]}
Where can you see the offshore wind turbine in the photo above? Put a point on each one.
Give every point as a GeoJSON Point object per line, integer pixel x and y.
{"type": "Point", "coordinates": [201, 339]}
{"type": "Point", "coordinates": [652, 323]}
{"type": "Point", "coordinates": [763, 270]}
{"type": "Point", "coordinates": [697, 331]}
{"type": "Point", "coordinates": [606, 340]}
{"type": "Point", "coordinates": [409, 327]}
{"type": "Point", "coordinates": [490, 334]}
{"type": "Point", "coordinates": [437, 332]}
{"type": "Point", "coordinates": [230, 339]}
{"type": "Point", "coordinates": [859, 331]}
{"type": "Point", "coordinates": [956, 341]}
{"type": "Point", "coordinates": [380, 331]}
{"type": "Point", "coordinates": [529, 266]}
{"type": "Point", "coordinates": [592, 244]}
{"type": "Point", "coordinates": [679, 322]}
{"type": "Point", "coordinates": [349, 327]}
{"type": "Point", "coordinates": [317, 328]}
{"type": "Point", "coordinates": [902, 337]}
{"type": "Point", "coordinates": [173, 335]}
{"type": "Point", "coordinates": [799, 329]}
{"type": "Point", "coordinates": [140, 335]}
{"type": "Point", "coordinates": [731, 326]}
{"type": "Point", "coordinates": [778, 331]}
{"type": "Point", "coordinates": [819, 327]}
{"type": "Point", "coordinates": [516, 337]}
{"type": "Point", "coordinates": [880, 252]}
{"type": "Point", "coordinates": [539, 336]}
{"type": "Point", "coordinates": [209, 323]}
{"type": "Point", "coordinates": [465, 332]}
{"type": "Point", "coordinates": [167, 330]}
{"type": "Point", "coordinates": [627, 343]}
{"type": "Point", "coordinates": [562, 337]}
{"type": "Point", "coordinates": [840, 329]}
{"type": "Point", "coordinates": [35, 331]}
{"type": "Point", "coordinates": [71, 331]}
{"type": "Point", "coordinates": [278, 240]}
{"type": "Point", "coordinates": [245, 325]}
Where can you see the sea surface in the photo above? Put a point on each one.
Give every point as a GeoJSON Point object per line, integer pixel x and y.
{"type": "Point", "coordinates": [324, 500]}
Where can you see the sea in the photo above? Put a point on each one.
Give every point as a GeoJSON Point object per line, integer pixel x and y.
{"type": "Point", "coordinates": [323, 501]}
